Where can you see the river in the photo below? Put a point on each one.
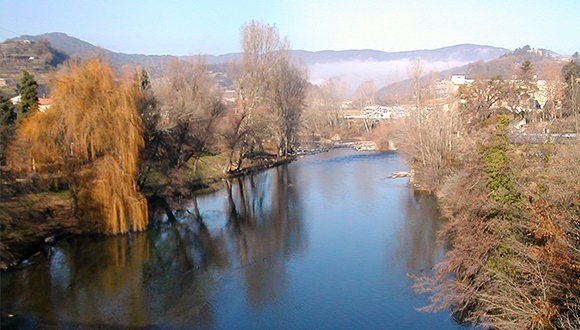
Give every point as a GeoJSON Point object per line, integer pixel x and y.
{"type": "Point", "coordinates": [325, 242]}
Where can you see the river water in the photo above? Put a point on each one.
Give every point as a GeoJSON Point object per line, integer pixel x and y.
{"type": "Point", "coordinates": [325, 242]}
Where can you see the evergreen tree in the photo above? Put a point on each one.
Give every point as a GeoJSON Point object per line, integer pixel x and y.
{"type": "Point", "coordinates": [7, 114]}
{"type": "Point", "coordinates": [527, 71]}
{"type": "Point", "coordinates": [528, 78]}
{"type": "Point", "coordinates": [28, 93]}
{"type": "Point", "coordinates": [7, 119]}
{"type": "Point", "coordinates": [144, 80]}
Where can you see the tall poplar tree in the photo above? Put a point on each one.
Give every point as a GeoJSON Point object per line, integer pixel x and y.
{"type": "Point", "coordinates": [271, 92]}
{"type": "Point", "coordinates": [571, 73]}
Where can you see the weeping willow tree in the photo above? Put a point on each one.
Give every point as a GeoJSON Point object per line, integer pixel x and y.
{"type": "Point", "coordinates": [92, 133]}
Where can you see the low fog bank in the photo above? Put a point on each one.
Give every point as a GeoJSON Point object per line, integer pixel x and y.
{"type": "Point", "coordinates": [383, 73]}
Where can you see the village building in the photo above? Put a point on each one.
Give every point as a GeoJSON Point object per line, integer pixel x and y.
{"type": "Point", "coordinates": [459, 79]}
{"type": "Point", "coordinates": [44, 104]}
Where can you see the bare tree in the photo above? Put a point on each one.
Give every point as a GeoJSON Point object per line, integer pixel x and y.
{"type": "Point", "coordinates": [554, 92]}
{"type": "Point", "coordinates": [288, 96]}
{"type": "Point", "coordinates": [417, 115]}
{"type": "Point", "coordinates": [427, 134]}
{"type": "Point", "coordinates": [365, 96]}
{"type": "Point", "coordinates": [415, 71]}
{"type": "Point", "coordinates": [262, 49]}
{"type": "Point", "coordinates": [323, 116]}
{"type": "Point", "coordinates": [484, 99]}
{"type": "Point", "coordinates": [271, 91]}
{"type": "Point", "coordinates": [182, 124]}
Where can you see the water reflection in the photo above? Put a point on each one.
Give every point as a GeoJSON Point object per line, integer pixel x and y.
{"type": "Point", "coordinates": [419, 233]}
{"type": "Point", "coordinates": [265, 223]}
{"type": "Point", "coordinates": [296, 247]}
{"type": "Point", "coordinates": [168, 274]}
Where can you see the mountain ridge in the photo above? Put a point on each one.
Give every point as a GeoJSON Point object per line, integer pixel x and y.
{"type": "Point", "coordinates": [351, 66]}
{"type": "Point", "coordinates": [463, 52]}
{"type": "Point", "coordinates": [471, 52]}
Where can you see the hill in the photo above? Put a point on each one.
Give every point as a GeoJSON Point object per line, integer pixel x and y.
{"type": "Point", "coordinates": [37, 57]}
{"type": "Point", "coordinates": [458, 53]}
{"type": "Point", "coordinates": [507, 65]}
{"type": "Point", "coordinates": [547, 64]}
{"type": "Point", "coordinates": [357, 66]}
{"type": "Point", "coordinates": [77, 47]}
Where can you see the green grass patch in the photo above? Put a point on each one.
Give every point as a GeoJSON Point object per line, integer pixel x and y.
{"type": "Point", "coordinates": [211, 167]}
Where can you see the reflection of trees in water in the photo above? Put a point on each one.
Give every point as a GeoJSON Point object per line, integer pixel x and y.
{"type": "Point", "coordinates": [265, 222]}
{"type": "Point", "coordinates": [168, 274]}
{"type": "Point", "coordinates": [183, 272]}
{"type": "Point", "coordinates": [36, 296]}
{"type": "Point", "coordinates": [419, 233]}
{"type": "Point", "coordinates": [87, 283]}
{"type": "Point", "coordinates": [135, 280]}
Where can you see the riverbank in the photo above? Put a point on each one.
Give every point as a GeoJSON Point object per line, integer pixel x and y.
{"type": "Point", "coordinates": [31, 223]}
{"type": "Point", "coordinates": [511, 219]}
{"type": "Point", "coordinates": [34, 221]}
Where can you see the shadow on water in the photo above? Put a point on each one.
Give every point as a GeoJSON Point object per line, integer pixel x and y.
{"type": "Point", "coordinates": [420, 247]}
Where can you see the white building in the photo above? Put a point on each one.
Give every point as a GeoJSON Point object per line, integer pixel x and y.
{"type": "Point", "coordinates": [458, 79]}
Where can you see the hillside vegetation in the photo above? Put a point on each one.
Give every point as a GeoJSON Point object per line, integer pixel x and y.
{"type": "Point", "coordinates": [40, 58]}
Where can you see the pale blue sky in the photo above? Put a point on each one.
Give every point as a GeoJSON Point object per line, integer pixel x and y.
{"type": "Point", "coordinates": [182, 27]}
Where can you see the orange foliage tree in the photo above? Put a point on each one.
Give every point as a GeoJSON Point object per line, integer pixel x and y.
{"type": "Point", "coordinates": [93, 134]}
